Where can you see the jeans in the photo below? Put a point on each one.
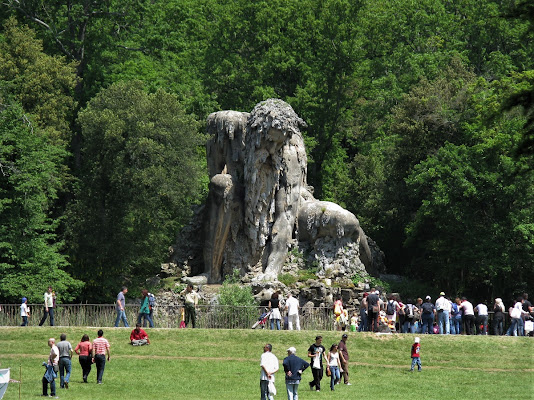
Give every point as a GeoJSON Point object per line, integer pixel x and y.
{"type": "Point", "coordinates": [46, 313]}
{"type": "Point", "coordinates": [521, 327]}
{"type": "Point", "coordinates": [100, 362]}
{"type": "Point", "coordinates": [264, 388]}
{"type": "Point", "coordinates": [146, 317]}
{"type": "Point", "coordinates": [277, 324]}
{"type": "Point", "coordinates": [292, 391]}
{"type": "Point", "coordinates": [334, 376]}
{"type": "Point", "coordinates": [85, 363]}
{"type": "Point", "coordinates": [65, 365]}
{"type": "Point", "coordinates": [24, 321]}
{"type": "Point", "coordinates": [52, 387]}
{"type": "Point", "coordinates": [456, 322]}
{"type": "Point", "coordinates": [121, 315]}
{"type": "Point", "coordinates": [443, 322]}
{"type": "Point", "coordinates": [416, 360]}
{"type": "Point", "coordinates": [482, 325]}
{"type": "Point", "coordinates": [498, 327]}
{"type": "Point", "coordinates": [428, 320]}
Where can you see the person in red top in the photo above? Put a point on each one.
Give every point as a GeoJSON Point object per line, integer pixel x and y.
{"type": "Point", "coordinates": [100, 348]}
{"type": "Point", "coordinates": [84, 349]}
{"type": "Point", "coordinates": [416, 354]}
{"type": "Point", "coordinates": [138, 337]}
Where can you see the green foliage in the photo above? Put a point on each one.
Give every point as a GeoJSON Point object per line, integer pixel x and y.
{"type": "Point", "coordinates": [287, 279]}
{"type": "Point", "coordinates": [232, 293]}
{"type": "Point", "coordinates": [141, 175]}
{"type": "Point", "coordinates": [372, 281]}
{"type": "Point", "coordinates": [31, 255]}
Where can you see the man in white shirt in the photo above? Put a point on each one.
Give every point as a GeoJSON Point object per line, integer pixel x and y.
{"type": "Point", "coordinates": [292, 307]}
{"type": "Point", "coordinates": [469, 316]}
{"type": "Point", "coordinates": [51, 364]}
{"type": "Point", "coordinates": [49, 297]}
{"type": "Point", "coordinates": [443, 307]}
{"type": "Point", "coordinates": [482, 319]}
{"type": "Point", "coordinates": [269, 366]}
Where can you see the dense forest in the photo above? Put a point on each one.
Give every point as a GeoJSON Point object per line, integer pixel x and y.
{"type": "Point", "coordinates": [420, 121]}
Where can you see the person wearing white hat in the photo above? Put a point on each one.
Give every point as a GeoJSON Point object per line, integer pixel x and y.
{"type": "Point", "coordinates": [443, 307]}
{"type": "Point", "coordinates": [293, 367]}
{"type": "Point", "coordinates": [416, 355]}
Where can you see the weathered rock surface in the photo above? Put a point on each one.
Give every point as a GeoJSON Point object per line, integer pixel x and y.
{"type": "Point", "coordinates": [260, 206]}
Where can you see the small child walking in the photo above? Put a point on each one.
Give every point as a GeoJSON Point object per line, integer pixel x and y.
{"type": "Point", "coordinates": [24, 311]}
{"type": "Point", "coordinates": [416, 354]}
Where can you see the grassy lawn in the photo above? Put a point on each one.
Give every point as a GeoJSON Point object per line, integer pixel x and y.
{"type": "Point", "coordinates": [224, 364]}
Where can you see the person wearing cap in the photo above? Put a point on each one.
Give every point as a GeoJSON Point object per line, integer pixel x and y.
{"type": "Point", "coordinates": [293, 368]}
{"type": "Point", "coordinates": [344, 358]}
{"type": "Point", "coordinates": [443, 307]}
{"type": "Point", "coordinates": [24, 311]}
{"type": "Point", "coordinates": [317, 353]}
{"type": "Point", "coordinates": [427, 315]}
{"type": "Point", "coordinates": [269, 366]}
{"type": "Point", "coordinates": [416, 354]}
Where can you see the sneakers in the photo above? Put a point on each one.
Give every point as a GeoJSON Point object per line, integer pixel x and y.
{"type": "Point", "coordinates": [348, 384]}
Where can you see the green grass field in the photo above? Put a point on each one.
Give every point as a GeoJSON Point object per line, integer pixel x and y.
{"type": "Point", "coordinates": [224, 364]}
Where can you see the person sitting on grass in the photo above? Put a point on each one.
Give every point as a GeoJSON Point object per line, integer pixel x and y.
{"type": "Point", "coordinates": [139, 337]}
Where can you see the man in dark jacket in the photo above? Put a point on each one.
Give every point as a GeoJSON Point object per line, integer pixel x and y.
{"type": "Point", "coordinates": [293, 367]}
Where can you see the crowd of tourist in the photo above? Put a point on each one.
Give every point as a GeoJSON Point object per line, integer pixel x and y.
{"type": "Point", "coordinates": [445, 315]}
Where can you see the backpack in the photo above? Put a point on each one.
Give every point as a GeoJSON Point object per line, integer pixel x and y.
{"type": "Point", "coordinates": [427, 308]}
{"type": "Point", "coordinates": [390, 308]}
{"type": "Point", "coordinates": [151, 300]}
{"type": "Point", "coordinates": [409, 311]}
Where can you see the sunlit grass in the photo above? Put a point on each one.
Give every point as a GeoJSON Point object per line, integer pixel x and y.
{"type": "Point", "coordinates": [224, 364]}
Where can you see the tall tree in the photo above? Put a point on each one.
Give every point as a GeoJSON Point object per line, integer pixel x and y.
{"type": "Point", "coordinates": [142, 171]}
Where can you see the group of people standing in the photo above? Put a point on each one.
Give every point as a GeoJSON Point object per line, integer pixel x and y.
{"type": "Point", "coordinates": [291, 306]}
{"type": "Point", "coordinates": [60, 360]}
{"type": "Point", "coordinates": [445, 316]}
{"type": "Point", "coordinates": [336, 360]}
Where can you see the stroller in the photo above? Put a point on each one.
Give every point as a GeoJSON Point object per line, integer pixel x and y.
{"type": "Point", "coordinates": [262, 320]}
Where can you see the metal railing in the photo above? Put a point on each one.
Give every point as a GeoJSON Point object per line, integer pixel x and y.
{"type": "Point", "coordinates": [207, 316]}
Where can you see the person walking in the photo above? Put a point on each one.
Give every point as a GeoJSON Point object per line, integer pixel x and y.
{"type": "Point", "coordinates": [334, 365]}
{"type": "Point", "coordinates": [416, 355]}
{"type": "Point", "coordinates": [292, 308]}
{"type": "Point", "coordinates": [443, 307]}
{"type": "Point", "coordinates": [144, 311]}
{"type": "Point", "coordinates": [344, 358]}
{"type": "Point", "coordinates": [191, 301]}
{"type": "Point", "coordinates": [100, 349]}
{"type": "Point", "coordinates": [49, 299]}
{"type": "Point", "coordinates": [316, 352]}
{"type": "Point", "coordinates": [269, 366]}
{"type": "Point", "coordinates": [51, 369]}
{"type": "Point", "coordinates": [24, 311]}
{"type": "Point", "coordinates": [120, 308]}
{"type": "Point", "coordinates": [293, 368]}
{"type": "Point", "coordinates": [84, 350]}
{"type": "Point", "coordinates": [65, 361]}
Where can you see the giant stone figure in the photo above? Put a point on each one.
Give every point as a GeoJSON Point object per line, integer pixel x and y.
{"type": "Point", "coordinates": [259, 204]}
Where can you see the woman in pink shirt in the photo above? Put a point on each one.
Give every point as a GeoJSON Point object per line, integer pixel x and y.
{"type": "Point", "coordinates": [84, 349]}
